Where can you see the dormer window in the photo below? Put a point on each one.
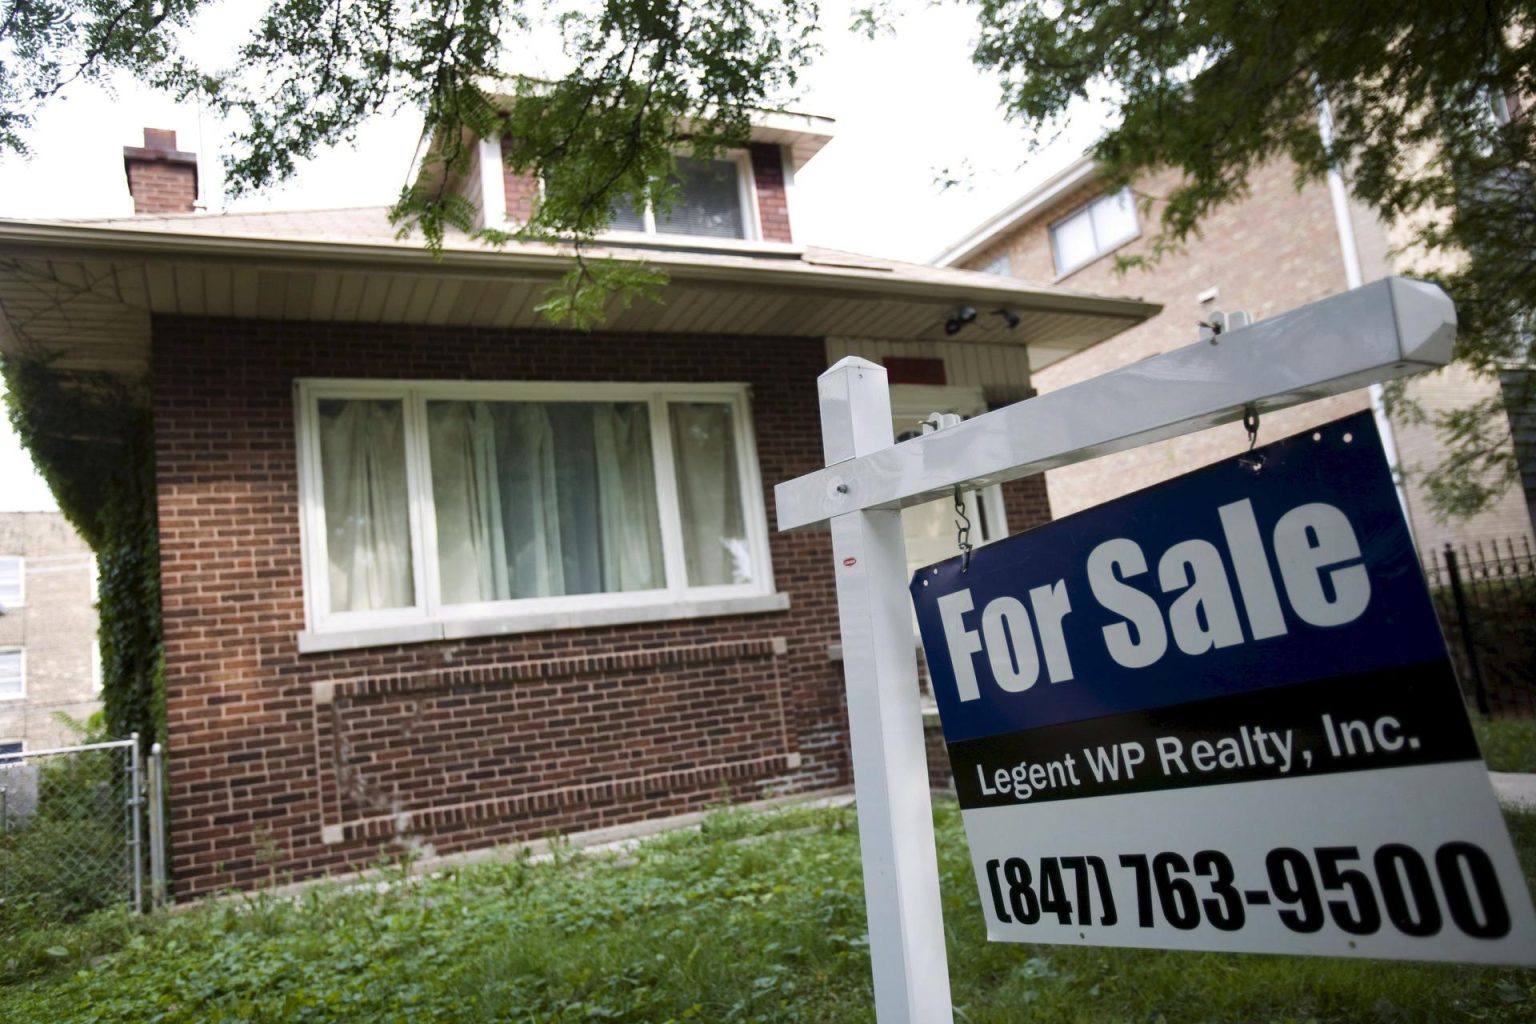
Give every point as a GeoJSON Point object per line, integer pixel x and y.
{"type": "Point", "coordinates": [740, 197]}
{"type": "Point", "coordinates": [714, 201]}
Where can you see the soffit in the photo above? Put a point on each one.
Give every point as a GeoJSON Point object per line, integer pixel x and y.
{"type": "Point", "coordinates": [85, 293]}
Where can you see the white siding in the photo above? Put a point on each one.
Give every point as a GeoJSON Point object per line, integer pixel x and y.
{"type": "Point", "coordinates": [1001, 371]}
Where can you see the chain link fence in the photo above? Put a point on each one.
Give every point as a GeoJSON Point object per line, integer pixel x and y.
{"type": "Point", "coordinates": [81, 828]}
{"type": "Point", "coordinates": [1485, 595]}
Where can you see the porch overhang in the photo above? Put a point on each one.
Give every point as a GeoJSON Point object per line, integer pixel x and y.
{"type": "Point", "coordinates": [85, 294]}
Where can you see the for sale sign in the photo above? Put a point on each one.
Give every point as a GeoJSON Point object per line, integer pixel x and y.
{"type": "Point", "coordinates": [1219, 714]}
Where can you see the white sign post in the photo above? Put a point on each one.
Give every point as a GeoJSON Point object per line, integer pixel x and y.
{"type": "Point", "coordinates": [1388, 329]}
{"type": "Point", "coordinates": [885, 723]}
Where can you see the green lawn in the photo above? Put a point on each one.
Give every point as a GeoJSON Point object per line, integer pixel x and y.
{"type": "Point", "coordinates": [754, 918]}
{"type": "Point", "coordinates": [1509, 744]}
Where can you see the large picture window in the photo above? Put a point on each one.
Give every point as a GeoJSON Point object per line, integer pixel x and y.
{"type": "Point", "coordinates": [443, 502]}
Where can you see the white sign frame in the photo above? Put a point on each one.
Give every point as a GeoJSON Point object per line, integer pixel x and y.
{"type": "Point", "coordinates": [1391, 328]}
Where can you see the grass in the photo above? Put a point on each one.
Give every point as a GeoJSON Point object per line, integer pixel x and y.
{"type": "Point", "coordinates": [1509, 744]}
{"type": "Point", "coordinates": [754, 917]}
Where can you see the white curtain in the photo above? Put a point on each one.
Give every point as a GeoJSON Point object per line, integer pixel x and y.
{"type": "Point", "coordinates": [543, 499]}
{"type": "Point", "coordinates": [626, 487]}
{"type": "Point", "coordinates": [368, 535]}
{"type": "Point", "coordinates": [530, 499]}
{"type": "Point", "coordinates": [471, 546]}
{"type": "Point", "coordinates": [709, 494]}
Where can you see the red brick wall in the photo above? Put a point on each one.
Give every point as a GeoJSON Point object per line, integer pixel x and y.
{"type": "Point", "coordinates": [940, 775]}
{"type": "Point", "coordinates": [772, 199]}
{"type": "Point", "coordinates": [1026, 504]}
{"type": "Point", "coordinates": [451, 745]}
{"type": "Point", "coordinates": [162, 187]}
{"type": "Point", "coordinates": [522, 190]}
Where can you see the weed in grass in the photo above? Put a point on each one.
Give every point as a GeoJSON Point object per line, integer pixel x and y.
{"type": "Point", "coordinates": [1508, 744]}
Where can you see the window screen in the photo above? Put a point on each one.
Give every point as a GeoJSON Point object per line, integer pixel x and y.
{"type": "Point", "coordinates": [543, 499]}
{"type": "Point", "coordinates": [709, 200]}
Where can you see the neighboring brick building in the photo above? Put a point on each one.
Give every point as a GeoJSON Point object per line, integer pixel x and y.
{"type": "Point", "coordinates": [48, 659]}
{"type": "Point", "coordinates": [437, 575]}
{"type": "Point", "coordinates": [1273, 251]}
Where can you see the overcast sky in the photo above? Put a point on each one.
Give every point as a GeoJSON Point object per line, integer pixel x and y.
{"type": "Point", "coordinates": [906, 106]}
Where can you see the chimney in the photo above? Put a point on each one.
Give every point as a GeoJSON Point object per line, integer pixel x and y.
{"type": "Point", "coordinates": [161, 178]}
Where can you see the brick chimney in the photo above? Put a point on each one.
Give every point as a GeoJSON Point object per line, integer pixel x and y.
{"type": "Point", "coordinates": [161, 178]}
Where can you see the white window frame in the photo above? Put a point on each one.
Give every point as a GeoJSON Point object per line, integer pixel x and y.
{"type": "Point", "coordinates": [1101, 248]}
{"type": "Point", "coordinates": [21, 582]}
{"type": "Point", "coordinates": [13, 756]}
{"type": "Point", "coordinates": [429, 618]}
{"type": "Point", "coordinates": [22, 663]}
{"type": "Point", "coordinates": [746, 189]}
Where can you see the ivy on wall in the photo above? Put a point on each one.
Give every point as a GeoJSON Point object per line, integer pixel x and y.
{"type": "Point", "coordinates": [91, 437]}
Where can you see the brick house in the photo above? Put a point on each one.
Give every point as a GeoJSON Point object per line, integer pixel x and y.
{"type": "Point", "coordinates": [1277, 249]}
{"type": "Point", "coordinates": [436, 575]}
{"type": "Point", "coordinates": [47, 631]}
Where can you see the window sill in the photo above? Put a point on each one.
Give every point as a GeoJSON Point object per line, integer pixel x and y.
{"type": "Point", "coordinates": [698, 243]}
{"type": "Point", "coordinates": [537, 622]}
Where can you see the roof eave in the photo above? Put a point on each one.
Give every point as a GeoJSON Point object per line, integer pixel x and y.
{"type": "Point", "coordinates": [24, 238]}
{"type": "Point", "coordinates": [1032, 202]}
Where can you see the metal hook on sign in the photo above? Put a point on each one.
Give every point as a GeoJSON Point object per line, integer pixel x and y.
{"type": "Point", "coordinates": [962, 531]}
{"type": "Point", "coordinates": [1252, 461]}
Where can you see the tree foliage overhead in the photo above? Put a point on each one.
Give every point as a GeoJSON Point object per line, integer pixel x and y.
{"type": "Point", "coordinates": [46, 45]}
{"type": "Point", "coordinates": [643, 80]}
{"type": "Point", "coordinates": [1425, 99]}
{"type": "Point", "coordinates": [1418, 90]}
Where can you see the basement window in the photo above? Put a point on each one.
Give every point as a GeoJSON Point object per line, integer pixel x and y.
{"type": "Point", "coordinates": [1105, 224]}
{"type": "Point", "coordinates": [526, 505]}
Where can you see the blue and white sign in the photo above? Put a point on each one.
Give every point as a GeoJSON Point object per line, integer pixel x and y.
{"type": "Point", "coordinates": [1219, 714]}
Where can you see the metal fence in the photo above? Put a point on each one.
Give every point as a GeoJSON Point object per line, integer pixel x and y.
{"type": "Point", "coordinates": [1485, 594]}
{"type": "Point", "coordinates": [81, 828]}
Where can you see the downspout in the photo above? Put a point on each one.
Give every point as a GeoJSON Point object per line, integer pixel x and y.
{"type": "Point", "coordinates": [1354, 279]}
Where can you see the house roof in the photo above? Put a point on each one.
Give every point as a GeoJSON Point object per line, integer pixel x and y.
{"type": "Point", "coordinates": [85, 290]}
{"type": "Point", "coordinates": [1078, 172]}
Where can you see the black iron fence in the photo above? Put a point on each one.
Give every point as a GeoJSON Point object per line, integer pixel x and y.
{"type": "Point", "coordinates": [1485, 594]}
